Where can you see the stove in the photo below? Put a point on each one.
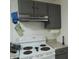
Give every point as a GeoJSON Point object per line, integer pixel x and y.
{"type": "Point", "coordinates": [36, 51]}
{"type": "Point", "coordinates": [35, 47]}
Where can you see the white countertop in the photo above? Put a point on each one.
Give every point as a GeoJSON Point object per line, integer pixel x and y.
{"type": "Point", "coordinates": [54, 44]}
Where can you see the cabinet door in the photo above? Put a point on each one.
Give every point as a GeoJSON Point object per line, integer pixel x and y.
{"type": "Point", "coordinates": [40, 8]}
{"type": "Point", "coordinates": [62, 56]}
{"type": "Point", "coordinates": [61, 53]}
{"type": "Point", "coordinates": [54, 14]}
{"type": "Point", "coordinates": [25, 7]}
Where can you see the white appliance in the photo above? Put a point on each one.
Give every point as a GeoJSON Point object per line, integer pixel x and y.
{"type": "Point", "coordinates": [35, 47]}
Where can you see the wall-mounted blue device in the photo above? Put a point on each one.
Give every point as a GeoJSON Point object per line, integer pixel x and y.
{"type": "Point", "coordinates": [15, 17]}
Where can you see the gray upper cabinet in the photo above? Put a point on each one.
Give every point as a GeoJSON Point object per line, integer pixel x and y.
{"type": "Point", "coordinates": [25, 7]}
{"type": "Point", "coordinates": [54, 14]}
{"type": "Point", "coordinates": [34, 8]}
{"type": "Point", "coordinates": [40, 8]}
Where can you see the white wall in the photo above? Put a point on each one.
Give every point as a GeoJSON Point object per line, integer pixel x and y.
{"type": "Point", "coordinates": [30, 28]}
{"type": "Point", "coordinates": [13, 7]}
{"type": "Point", "coordinates": [64, 19]}
{"type": "Point", "coordinates": [35, 26]}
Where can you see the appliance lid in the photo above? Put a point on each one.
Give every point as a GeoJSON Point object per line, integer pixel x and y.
{"type": "Point", "coordinates": [26, 18]}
